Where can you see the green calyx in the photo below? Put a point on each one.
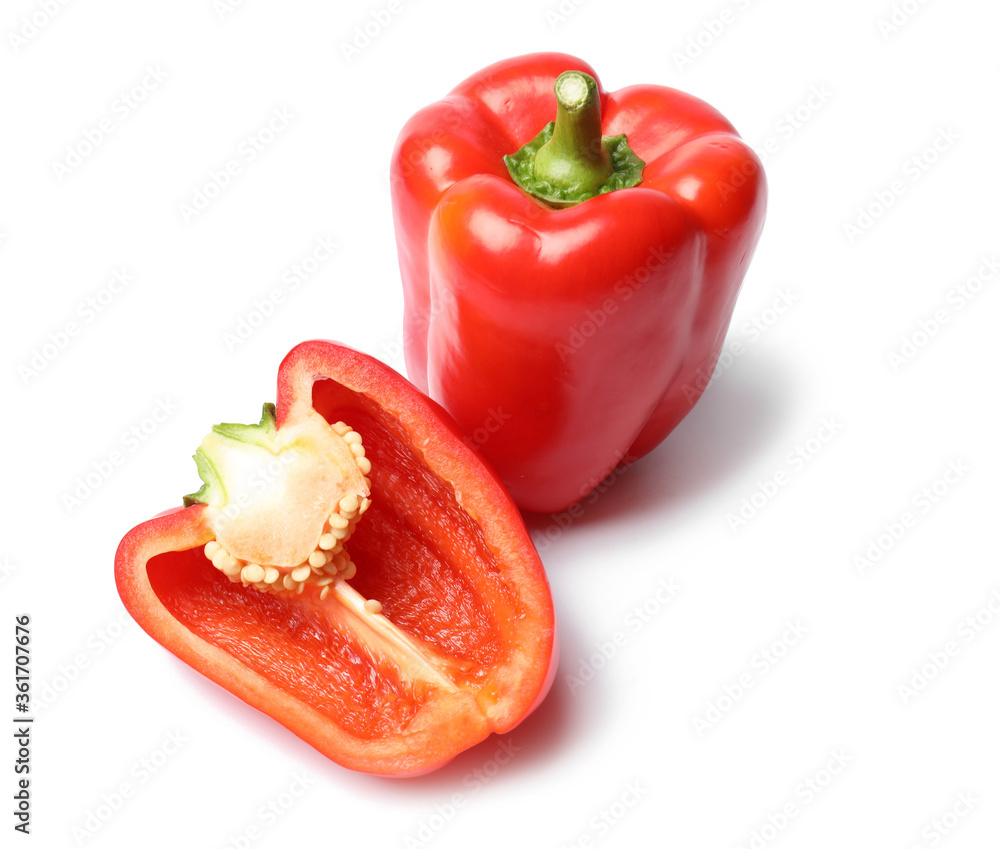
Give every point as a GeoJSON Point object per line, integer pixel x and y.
{"type": "Point", "coordinates": [215, 447]}
{"type": "Point", "coordinates": [569, 161]}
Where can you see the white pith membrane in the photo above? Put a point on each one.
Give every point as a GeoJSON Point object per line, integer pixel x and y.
{"type": "Point", "coordinates": [328, 559]}
{"type": "Point", "coordinates": [318, 479]}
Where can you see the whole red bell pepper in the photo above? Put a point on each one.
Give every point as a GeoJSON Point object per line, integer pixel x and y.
{"type": "Point", "coordinates": [569, 325]}
{"type": "Point", "coordinates": [352, 569]}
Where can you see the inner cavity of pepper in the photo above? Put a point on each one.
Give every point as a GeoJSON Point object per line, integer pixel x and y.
{"type": "Point", "coordinates": [329, 559]}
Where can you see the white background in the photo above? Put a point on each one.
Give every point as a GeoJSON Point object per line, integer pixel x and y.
{"type": "Point", "coordinates": [779, 658]}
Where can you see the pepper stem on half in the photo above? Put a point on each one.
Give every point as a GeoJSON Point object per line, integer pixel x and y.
{"type": "Point", "coordinates": [569, 161]}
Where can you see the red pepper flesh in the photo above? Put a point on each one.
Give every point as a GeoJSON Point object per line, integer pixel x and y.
{"type": "Point", "coordinates": [566, 341]}
{"type": "Point", "coordinates": [443, 549]}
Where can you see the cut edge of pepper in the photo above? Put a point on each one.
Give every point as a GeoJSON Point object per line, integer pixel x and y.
{"type": "Point", "coordinates": [426, 741]}
{"type": "Point", "coordinates": [471, 714]}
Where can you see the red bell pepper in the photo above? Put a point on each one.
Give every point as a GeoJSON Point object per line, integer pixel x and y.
{"type": "Point", "coordinates": [571, 326]}
{"type": "Point", "coordinates": [380, 597]}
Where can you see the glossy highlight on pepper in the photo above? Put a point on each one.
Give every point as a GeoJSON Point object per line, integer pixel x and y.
{"type": "Point", "coordinates": [587, 326]}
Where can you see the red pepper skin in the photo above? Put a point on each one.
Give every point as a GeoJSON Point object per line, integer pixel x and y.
{"type": "Point", "coordinates": [440, 523]}
{"type": "Point", "coordinates": [566, 341]}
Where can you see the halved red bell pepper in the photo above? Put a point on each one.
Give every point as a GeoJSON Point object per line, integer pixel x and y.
{"type": "Point", "coordinates": [572, 325]}
{"type": "Point", "coordinates": [380, 598]}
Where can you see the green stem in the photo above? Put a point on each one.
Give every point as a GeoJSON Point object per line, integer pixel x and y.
{"type": "Point", "coordinates": [574, 159]}
{"type": "Point", "coordinates": [569, 161]}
